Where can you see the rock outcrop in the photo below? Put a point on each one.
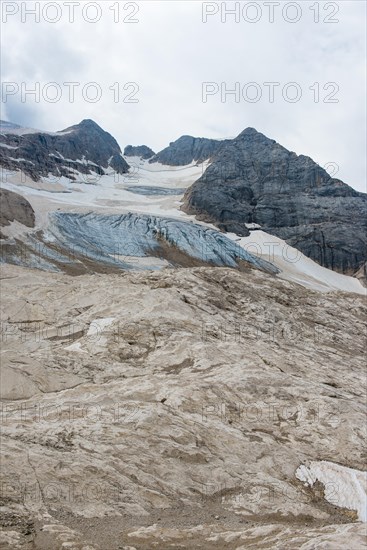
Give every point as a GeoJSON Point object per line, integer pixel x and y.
{"type": "Point", "coordinates": [253, 179]}
{"type": "Point", "coordinates": [362, 274]}
{"type": "Point", "coordinates": [142, 151]}
{"type": "Point", "coordinates": [14, 207]}
{"type": "Point", "coordinates": [188, 149]}
{"type": "Point", "coordinates": [83, 148]}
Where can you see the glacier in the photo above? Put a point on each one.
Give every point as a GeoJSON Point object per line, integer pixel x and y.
{"type": "Point", "coordinates": [111, 239]}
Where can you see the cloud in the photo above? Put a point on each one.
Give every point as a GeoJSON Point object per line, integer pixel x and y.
{"type": "Point", "coordinates": [170, 52]}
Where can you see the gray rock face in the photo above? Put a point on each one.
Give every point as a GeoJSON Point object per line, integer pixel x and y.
{"type": "Point", "coordinates": [253, 179]}
{"type": "Point", "coordinates": [85, 148]}
{"type": "Point", "coordinates": [188, 149]}
{"type": "Point", "coordinates": [142, 151]}
{"type": "Point", "coordinates": [14, 207]}
{"type": "Point", "coordinates": [362, 274]}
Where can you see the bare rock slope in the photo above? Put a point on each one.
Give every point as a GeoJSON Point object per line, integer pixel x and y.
{"type": "Point", "coordinates": [14, 207]}
{"type": "Point", "coordinates": [187, 149]}
{"type": "Point", "coordinates": [142, 151]}
{"type": "Point", "coordinates": [83, 148]}
{"type": "Point", "coordinates": [173, 410]}
{"type": "Point", "coordinates": [253, 179]}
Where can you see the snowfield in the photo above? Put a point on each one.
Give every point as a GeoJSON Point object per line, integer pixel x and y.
{"type": "Point", "coordinates": [344, 487]}
{"type": "Point", "coordinates": [129, 193]}
{"type": "Point", "coordinates": [295, 266]}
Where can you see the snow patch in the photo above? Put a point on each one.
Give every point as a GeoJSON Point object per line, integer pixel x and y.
{"type": "Point", "coordinates": [344, 487]}
{"type": "Point", "coordinates": [7, 146]}
{"type": "Point", "coordinates": [76, 346]}
{"type": "Point", "coordinates": [294, 265]}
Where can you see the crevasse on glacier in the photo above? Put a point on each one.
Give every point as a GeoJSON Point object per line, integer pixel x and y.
{"type": "Point", "coordinates": [109, 238]}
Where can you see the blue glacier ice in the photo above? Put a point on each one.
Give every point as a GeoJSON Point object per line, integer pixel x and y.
{"type": "Point", "coordinates": [111, 238]}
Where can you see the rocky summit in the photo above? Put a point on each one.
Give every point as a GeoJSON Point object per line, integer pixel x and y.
{"type": "Point", "coordinates": [253, 179]}
{"type": "Point", "coordinates": [142, 151]}
{"type": "Point", "coordinates": [84, 148]}
{"type": "Point", "coordinates": [188, 149]}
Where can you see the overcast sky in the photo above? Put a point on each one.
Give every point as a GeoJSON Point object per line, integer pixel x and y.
{"type": "Point", "coordinates": [169, 52]}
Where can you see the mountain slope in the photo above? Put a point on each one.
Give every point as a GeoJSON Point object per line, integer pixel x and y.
{"type": "Point", "coordinates": [147, 406]}
{"type": "Point", "coordinates": [14, 207]}
{"type": "Point", "coordinates": [177, 405]}
{"type": "Point", "coordinates": [187, 149]}
{"type": "Point", "coordinates": [253, 179]}
{"type": "Point", "coordinates": [142, 151]}
{"type": "Point", "coordinates": [83, 148]}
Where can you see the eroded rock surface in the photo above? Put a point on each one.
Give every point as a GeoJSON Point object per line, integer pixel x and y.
{"type": "Point", "coordinates": [173, 409]}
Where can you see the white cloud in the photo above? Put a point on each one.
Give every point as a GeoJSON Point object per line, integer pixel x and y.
{"type": "Point", "coordinates": [171, 52]}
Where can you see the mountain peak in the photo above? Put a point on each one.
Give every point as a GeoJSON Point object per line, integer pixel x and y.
{"type": "Point", "coordinates": [88, 122]}
{"type": "Point", "coordinates": [142, 151]}
{"type": "Point", "coordinates": [187, 149]}
{"type": "Point", "coordinates": [85, 124]}
{"type": "Point", "coordinates": [253, 133]}
{"type": "Point", "coordinates": [249, 130]}
{"type": "Point", "coordinates": [292, 197]}
{"type": "Point", "coordinates": [34, 151]}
